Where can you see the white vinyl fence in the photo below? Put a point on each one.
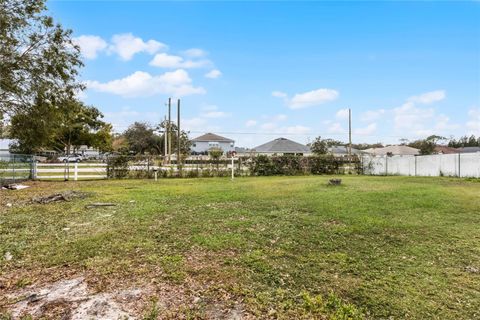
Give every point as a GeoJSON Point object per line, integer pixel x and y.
{"type": "Point", "coordinates": [69, 171]}
{"type": "Point", "coordinates": [455, 165]}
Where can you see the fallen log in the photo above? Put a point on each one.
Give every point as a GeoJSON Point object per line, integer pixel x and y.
{"type": "Point", "coordinates": [64, 196]}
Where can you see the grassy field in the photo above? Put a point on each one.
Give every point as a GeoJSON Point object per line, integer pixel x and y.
{"type": "Point", "coordinates": [278, 247]}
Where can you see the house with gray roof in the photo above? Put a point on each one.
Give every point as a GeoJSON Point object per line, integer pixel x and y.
{"type": "Point", "coordinates": [468, 149]}
{"type": "Point", "coordinates": [398, 150]}
{"type": "Point", "coordinates": [282, 146]}
{"type": "Point", "coordinates": [203, 143]}
{"type": "Point", "coordinates": [340, 151]}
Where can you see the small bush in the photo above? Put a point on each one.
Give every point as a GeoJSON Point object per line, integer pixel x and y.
{"type": "Point", "coordinates": [117, 167]}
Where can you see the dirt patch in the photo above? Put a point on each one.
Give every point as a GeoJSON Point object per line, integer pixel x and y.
{"type": "Point", "coordinates": [66, 299]}
{"type": "Point", "coordinates": [74, 299]}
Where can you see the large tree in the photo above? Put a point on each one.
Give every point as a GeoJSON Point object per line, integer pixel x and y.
{"type": "Point", "coordinates": [185, 142]}
{"type": "Point", "coordinates": [141, 139]}
{"type": "Point", "coordinates": [464, 141]}
{"type": "Point", "coordinates": [320, 146]}
{"type": "Point", "coordinates": [427, 146]}
{"type": "Point", "coordinates": [63, 126]}
{"type": "Point", "coordinates": [35, 55]}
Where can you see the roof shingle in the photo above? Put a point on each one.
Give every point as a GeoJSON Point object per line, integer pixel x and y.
{"type": "Point", "coordinates": [212, 137]}
{"type": "Point", "coordinates": [282, 145]}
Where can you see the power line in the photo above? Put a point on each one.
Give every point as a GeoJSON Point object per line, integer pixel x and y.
{"type": "Point", "coordinates": [312, 133]}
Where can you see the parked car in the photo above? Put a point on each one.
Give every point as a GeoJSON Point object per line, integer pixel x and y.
{"type": "Point", "coordinates": [71, 158]}
{"type": "Point", "coordinates": [39, 159]}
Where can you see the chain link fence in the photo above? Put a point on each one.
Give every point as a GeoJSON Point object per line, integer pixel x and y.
{"type": "Point", "coordinates": [15, 168]}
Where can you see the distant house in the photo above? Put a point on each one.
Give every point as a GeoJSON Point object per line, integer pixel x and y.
{"type": "Point", "coordinates": [393, 150]}
{"type": "Point", "coordinates": [340, 151]}
{"type": "Point", "coordinates": [282, 146]}
{"type": "Point", "coordinates": [444, 150]}
{"type": "Point", "coordinates": [468, 149]}
{"type": "Point", "coordinates": [202, 144]}
{"type": "Point", "coordinates": [240, 151]}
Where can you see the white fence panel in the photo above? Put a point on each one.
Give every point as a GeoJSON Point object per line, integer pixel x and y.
{"type": "Point", "coordinates": [428, 166]}
{"type": "Point", "coordinates": [449, 164]}
{"type": "Point", "coordinates": [75, 171]}
{"type": "Point", "coordinates": [375, 165]}
{"type": "Point", "coordinates": [455, 165]}
{"type": "Point", "coordinates": [470, 165]}
{"type": "Point", "coordinates": [401, 165]}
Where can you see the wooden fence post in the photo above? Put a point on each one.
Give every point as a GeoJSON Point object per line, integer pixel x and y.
{"type": "Point", "coordinates": [75, 172]}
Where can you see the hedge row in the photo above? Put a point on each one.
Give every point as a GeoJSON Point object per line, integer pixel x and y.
{"type": "Point", "coordinates": [297, 165]}
{"type": "Point", "coordinates": [262, 165]}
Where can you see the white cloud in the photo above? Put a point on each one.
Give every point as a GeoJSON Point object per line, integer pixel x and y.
{"type": "Point", "coordinates": [197, 125]}
{"type": "Point", "coordinates": [428, 97]}
{"type": "Point", "coordinates": [335, 128]}
{"type": "Point", "coordinates": [215, 73]}
{"type": "Point", "coordinates": [473, 123]}
{"type": "Point", "coordinates": [90, 45]}
{"type": "Point", "coordinates": [141, 83]}
{"type": "Point", "coordinates": [409, 118]}
{"type": "Point", "coordinates": [250, 123]}
{"type": "Point", "coordinates": [368, 130]}
{"type": "Point", "coordinates": [279, 94]}
{"type": "Point", "coordinates": [372, 115]}
{"type": "Point", "coordinates": [211, 111]}
{"type": "Point", "coordinates": [443, 124]}
{"type": "Point", "coordinates": [120, 120]}
{"type": "Point", "coordinates": [308, 99]}
{"type": "Point", "coordinates": [126, 46]}
{"type": "Point", "coordinates": [194, 53]}
{"type": "Point", "coordinates": [420, 122]}
{"type": "Point", "coordinates": [312, 98]}
{"type": "Point", "coordinates": [342, 114]}
{"type": "Point", "coordinates": [164, 60]}
{"type": "Point", "coordinates": [279, 117]}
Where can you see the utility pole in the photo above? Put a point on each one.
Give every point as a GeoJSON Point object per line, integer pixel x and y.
{"type": "Point", "coordinates": [169, 129]}
{"type": "Point", "coordinates": [349, 133]}
{"type": "Point", "coordinates": [165, 143]}
{"type": "Point", "coordinates": [178, 133]}
{"type": "Point", "coordinates": [349, 140]}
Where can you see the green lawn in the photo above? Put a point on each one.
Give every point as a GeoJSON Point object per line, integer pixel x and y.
{"type": "Point", "coordinates": [283, 247]}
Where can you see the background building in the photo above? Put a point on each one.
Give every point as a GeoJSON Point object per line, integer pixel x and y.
{"type": "Point", "coordinates": [282, 146]}
{"type": "Point", "coordinates": [202, 144]}
{"type": "Point", "coordinates": [393, 150]}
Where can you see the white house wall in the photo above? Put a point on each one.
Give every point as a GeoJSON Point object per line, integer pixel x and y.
{"type": "Point", "coordinates": [204, 146]}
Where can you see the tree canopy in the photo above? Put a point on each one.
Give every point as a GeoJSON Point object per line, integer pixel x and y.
{"type": "Point", "coordinates": [320, 146]}
{"type": "Point", "coordinates": [35, 55]}
{"type": "Point", "coordinates": [61, 126]}
{"type": "Point", "coordinates": [465, 141]}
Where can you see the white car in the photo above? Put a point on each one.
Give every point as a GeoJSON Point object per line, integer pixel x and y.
{"type": "Point", "coordinates": [71, 158]}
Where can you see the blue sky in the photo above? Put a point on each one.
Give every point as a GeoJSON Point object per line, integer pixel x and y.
{"type": "Point", "coordinates": [254, 71]}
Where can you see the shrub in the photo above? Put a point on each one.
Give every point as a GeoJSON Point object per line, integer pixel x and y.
{"type": "Point", "coordinates": [262, 165]}
{"type": "Point", "coordinates": [117, 166]}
